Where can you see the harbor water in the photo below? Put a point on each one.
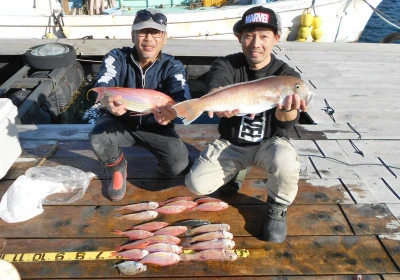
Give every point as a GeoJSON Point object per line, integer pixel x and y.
{"type": "Point", "coordinates": [376, 28]}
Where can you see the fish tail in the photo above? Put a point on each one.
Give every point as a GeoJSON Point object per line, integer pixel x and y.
{"type": "Point", "coordinates": [186, 257]}
{"type": "Point", "coordinates": [87, 93]}
{"type": "Point", "coordinates": [114, 253]}
{"type": "Point", "coordinates": [100, 95]}
{"type": "Point", "coordinates": [188, 110]}
{"type": "Point", "coordinates": [185, 245]}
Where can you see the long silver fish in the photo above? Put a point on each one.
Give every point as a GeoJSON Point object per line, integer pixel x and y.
{"type": "Point", "coordinates": [249, 97]}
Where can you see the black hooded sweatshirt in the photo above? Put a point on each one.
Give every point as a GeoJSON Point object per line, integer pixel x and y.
{"type": "Point", "coordinates": [241, 130]}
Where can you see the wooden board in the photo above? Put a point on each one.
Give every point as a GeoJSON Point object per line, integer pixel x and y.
{"type": "Point", "coordinates": [306, 255]}
{"type": "Point", "coordinates": [364, 161]}
{"type": "Point", "coordinates": [370, 191]}
{"type": "Point", "coordinates": [371, 219]}
{"type": "Point", "coordinates": [343, 224]}
{"type": "Point", "coordinates": [332, 161]}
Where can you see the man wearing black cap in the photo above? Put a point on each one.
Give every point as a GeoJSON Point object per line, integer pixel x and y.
{"type": "Point", "coordinates": [259, 140]}
{"type": "Point", "coordinates": [143, 66]}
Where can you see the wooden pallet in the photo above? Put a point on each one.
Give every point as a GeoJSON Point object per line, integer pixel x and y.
{"type": "Point", "coordinates": [343, 224]}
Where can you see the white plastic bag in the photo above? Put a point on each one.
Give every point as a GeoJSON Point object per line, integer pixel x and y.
{"type": "Point", "coordinates": [23, 200]}
{"type": "Point", "coordinates": [50, 185]}
{"type": "Point", "coordinates": [73, 179]}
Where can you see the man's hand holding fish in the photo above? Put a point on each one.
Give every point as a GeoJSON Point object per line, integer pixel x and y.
{"type": "Point", "coordinates": [114, 105]}
{"type": "Point", "coordinates": [164, 114]}
{"type": "Point", "coordinates": [289, 110]}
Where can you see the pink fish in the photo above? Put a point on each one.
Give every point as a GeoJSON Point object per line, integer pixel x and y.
{"type": "Point", "coordinates": [176, 198]}
{"type": "Point", "coordinates": [164, 247]}
{"type": "Point", "coordinates": [161, 258]}
{"type": "Point", "coordinates": [171, 230]}
{"type": "Point", "coordinates": [138, 207]}
{"type": "Point", "coordinates": [134, 234]}
{"type": "Point", "coordinates": [140, 216]}
{"type": "Point", "coordinates": [211, 206]}
{"type": "Point", "coordinates": [132, 254]}
{"type": "Point", "coordinates": [187, 203]}
{"type": "Point", "coordinates": [136, 100]}
{"type": "Point", "coordinates": [143, 243]}
{"type": "Point", "coordinates": [249, 97]}
{"type": "Point", "coordinates": [206, 199]}
{"type": "Point", "coordinates": [171, 209]}
{"type": "Point", "coordinates": [151, 226]}
{"type": "Point", "coordinates": [139, 244]}
{"type": "Point", "coordinates": [208, 228]}
{"type": "Point", "coordinates": [210, 255]}
{"type": "Point", "coordinates": [211, 244]}
{"type": "Point", "coordinates": [221, 234]}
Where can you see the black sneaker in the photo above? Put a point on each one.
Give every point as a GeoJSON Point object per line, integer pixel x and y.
{"type": "Point", "coordinates": [275, 228]}
{"type": "Point", "coordinates": [235, 184]}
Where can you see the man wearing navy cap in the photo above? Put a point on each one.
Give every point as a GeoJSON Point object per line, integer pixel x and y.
{"type": "Point", "coordinates": [143, 66]}
{"type": "Point", "coordinates": [253, 140]}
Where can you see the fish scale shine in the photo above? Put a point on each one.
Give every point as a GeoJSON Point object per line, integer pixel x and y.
{"type": "Point", "coordinates": [136, 100]}
{"type": "Point", "coordinates": [161, 258]}
{"type": "Point", "coordinates": [210, 255]}
{"type": "Point", "coordinates": [249, 97]}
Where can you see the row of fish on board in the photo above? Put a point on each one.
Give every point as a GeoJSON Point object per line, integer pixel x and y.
{"type": "Point", "coordinates": [162, 244]}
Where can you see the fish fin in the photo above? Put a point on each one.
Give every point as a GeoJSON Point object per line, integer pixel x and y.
{"type": "Point", "coordinates": [136, 114]}
{"type": "Point", "coordinates": [114, 253]}
{"type": "Point", "coordinates": [186, 257]}
{"type": "Point", "coordinates": [188, 110]}
{"type": "Point", "coordinates": [87, 93]}
{"type": "Point", "coordinates": [284, 94]}
{"type": "Point", "coordinates": [116, 231]}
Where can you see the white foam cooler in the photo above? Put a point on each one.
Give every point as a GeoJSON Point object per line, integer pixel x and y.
{"type": "Point", "coordinates": [10, 148]}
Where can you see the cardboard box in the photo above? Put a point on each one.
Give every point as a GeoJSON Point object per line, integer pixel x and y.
{"type": "Point", "coordinates": [10, 148]}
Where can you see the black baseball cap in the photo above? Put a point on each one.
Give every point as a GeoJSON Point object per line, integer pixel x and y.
{"type": "Point", "coordinates": [257, 16]}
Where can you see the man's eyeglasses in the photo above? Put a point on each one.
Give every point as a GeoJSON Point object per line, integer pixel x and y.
{"type": "Point", "coordinates": [144, 15]}
{"type": "Point", "coordinates": [153, 32]}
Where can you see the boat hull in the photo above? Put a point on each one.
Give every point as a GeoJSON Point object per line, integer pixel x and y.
{"type": "Point", "coordinates": [342, 21]}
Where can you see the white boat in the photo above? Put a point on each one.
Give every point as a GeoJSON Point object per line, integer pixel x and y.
{"type": "Point", "coordinates": [342, 20]}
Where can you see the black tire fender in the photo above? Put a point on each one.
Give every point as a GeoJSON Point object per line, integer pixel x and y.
{"type": "Point", "coordinates": [395, 36]}
{"type": "Point", "coordinates": [50, 56]}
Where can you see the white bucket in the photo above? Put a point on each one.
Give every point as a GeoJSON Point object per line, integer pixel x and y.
{"type": "Point", "coordinates": [10, 148]}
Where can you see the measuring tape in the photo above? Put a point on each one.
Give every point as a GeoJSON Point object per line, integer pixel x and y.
{"type": "Point", "coordinates": [82, 256]}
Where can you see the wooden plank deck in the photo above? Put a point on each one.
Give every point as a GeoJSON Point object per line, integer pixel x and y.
{"type": "Point", "coordinates": [343, 224]}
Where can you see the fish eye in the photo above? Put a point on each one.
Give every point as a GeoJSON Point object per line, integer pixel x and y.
{"type": "Point", "coordinates": [297, 86]}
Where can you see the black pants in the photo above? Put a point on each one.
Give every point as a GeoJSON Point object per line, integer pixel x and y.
{"type": "Point", "coordinates": [109, 134]}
